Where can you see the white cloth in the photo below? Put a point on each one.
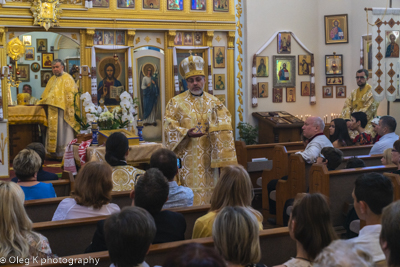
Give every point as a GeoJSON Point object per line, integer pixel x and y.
{"type": "Point", "coordinates": [297, 263]}
{"type": "Point", "coordinates": [313, 149]}
{"type": "Point", "coordinates": [368, 239]}
{"type": "Point", "coordinates": [69, 209]}
{"type": "Point", "coordinates": [179, 196]}
{"type": "Point", "coordinates": [384, 142]}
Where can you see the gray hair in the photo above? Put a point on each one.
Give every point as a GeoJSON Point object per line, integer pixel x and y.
{"type": "Point", "coordinates": [26, 164]}
{"type": "Point", "coordinates": [55, 61]}
{"type": "Point", "coordinates": [318, 122]}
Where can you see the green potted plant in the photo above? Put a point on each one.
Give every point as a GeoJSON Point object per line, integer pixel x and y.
{"type": "Point", "coordinates": [248, 133]}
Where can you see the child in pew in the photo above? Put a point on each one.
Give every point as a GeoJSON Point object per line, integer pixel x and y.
{"type": "Point", "coordinates": [236, 237]}
{"type": "Point", "coordinates": [92, 194]}
{"type": "Point", "coordinates": [355, 162]}
{"type": "Point", "coordinates": [396, 156]}
{"type": "Point", "coordinates": [311, 227]}
{"type": "Point", "coordinates": [128, 236]}
{"type": "Point", "coordinates": [387, 156]}
{"type": "Point", "coordinates": [358, 122]}
{"type": "Point", "coordinates": [339, 134]}
{"type": "Point", "coordinates": [390, 234]}
{"type": "Point", "coordinates": [26, 165]}
{"type": "Point", "coordinates": [16, 237]}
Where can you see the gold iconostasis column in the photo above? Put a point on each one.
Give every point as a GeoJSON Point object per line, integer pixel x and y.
{"type": "Point", "coordinates": [169, 63]}
{"type": "Point", "coordinates": [3, 62]}
{"type": "Point", "coordinates": [230, 70]}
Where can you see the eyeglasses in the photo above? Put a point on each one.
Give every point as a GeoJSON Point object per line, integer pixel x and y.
{"type": "Point", "coordinates": [394, 150]}
{"type": "Point", "coordinates": [198, 79]}
{"type": "Point", "coordinates": [360, 77]}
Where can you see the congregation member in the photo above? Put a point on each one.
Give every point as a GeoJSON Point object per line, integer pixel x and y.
{"type": "Point", "coordinates": [387, 126]}
{"type": "Point", "coordinates": [339, 134]}
{"type": "Point", "coordinates": [361, 99]}
{"type": "Point", "coordinates": [92, 194]}
{"type": "Point", "coordinates": [197, 126]}
{"type": "Point", "coordinates": [26, 166]}
{"type": "Point", "coordinates": [358, 122]}
{"type": "Point", "coordinates": [124, 176]}
{"type": "Point", "coordinates": [372, 192]}
{"type": "Point", "coordinates": [128, 236]}
{"type": "Point", "coordinates": [396, 156]}
{"type": "Point", "coordinates": [311, 227]}
{"type": "Point", "coordinates": [390, 234]}
{"type": "Point", "coordinates": [27, 89]}
{"type": "Point", "coordinates": [16, 236]}
{"type": "Point", "coordinates": [355, 162]}
{"type": "Point", "coordinates": [236, 237]}
{"type": "Point", "coordinates": [234, 188]}
{"type": "Point", "coordinates": [166, 161]}
{"type": "Point", "coordinates": [387, 156]}
{"type": "Point", "coordinates": [375, 127]}
{"type": "Point", "coordinates": [150, 193]}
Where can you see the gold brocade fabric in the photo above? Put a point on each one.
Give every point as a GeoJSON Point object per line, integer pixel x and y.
{"type": "Point", "coordinates": [124, 177]}
{"type": "Point", "coordinates": [361, 100]}
{"type": "Point", "coordinates": [199, 155]}
{"type": "Point", "coordinates": [52, 129]}
{"type": "Point", "coordinates": [27, 115]}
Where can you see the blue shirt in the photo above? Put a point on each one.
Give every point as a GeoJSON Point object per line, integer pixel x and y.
{"type": "Point", "coordinates": [179, 196]}
{"type": "Point", "coordinates": [384, 142]}
{"type": "Point", "coordinates": [39, 191]}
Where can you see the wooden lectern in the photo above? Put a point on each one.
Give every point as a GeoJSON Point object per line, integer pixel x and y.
{"type": "Point", "coordinates": [278, 127]}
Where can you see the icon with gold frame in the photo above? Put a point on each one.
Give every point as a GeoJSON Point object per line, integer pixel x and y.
{"type": "Point", "coordinates": [27, 40]}
{"type": "Point", "coordinates": [336, 29]}
{"type": "Point", "coordinates": [262, 90]}
{"type": "Point", "coordinates": [219, 57]}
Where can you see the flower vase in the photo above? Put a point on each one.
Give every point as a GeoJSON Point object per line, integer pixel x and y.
{"type": "Point", "coordinates": [140, 128]}
{"type": "Point", "coordinates": [95, 133]}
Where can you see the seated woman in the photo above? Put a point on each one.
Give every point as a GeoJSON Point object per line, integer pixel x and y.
{"type": "Point", "coordinates": [234, 188]}
{"type": "Point", "coordinates": [26, 166]}
{"type": "Point", "coordinates": [17, 238]}
{"type": "Point", "coordinates": [236, 237]}
{"type": "Point", "coordinates": [123, 176]}
{"type": "Point", "coordinates": [310, 218]}
{"type": "Point", "coordinates": [387, 157]}
{"type": "Point", "coordinates": [396, 156]}
{"type": "Point", "coordinates": [92, 194]}
{"type": "Point", "coordinates": [339, 134]}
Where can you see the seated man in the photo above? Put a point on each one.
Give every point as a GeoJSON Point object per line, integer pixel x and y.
{"type": "Point", "coordinates": [179, 196]}
{"type": "Point", "coordinates": [358, 122]}
{"type": "Point", "coordinates": [390, 234]}
{"type": "Point", "coordinates": [151, 193]}
{"type": "Point", "coordinates": [129, 235]}
{"type": "Point", "coordinates": [387, 126]}
{"type": "Point", "coordinates": [372, 192]}
{"type": "Point", "coordinates": [28, 89]}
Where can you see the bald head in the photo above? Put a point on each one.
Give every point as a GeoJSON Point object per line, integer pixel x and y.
{"type": "Point", "coordinates": [313, 126]}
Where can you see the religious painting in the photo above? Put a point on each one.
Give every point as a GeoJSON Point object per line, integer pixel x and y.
{"type": "Point", "coordinates": [221, 5]}
{"type": "Point", "coordinates": [262, 90]}
{"type": "Point", "coordinates": [327, 91]}
{"type": "Point", "coordinates": [178, 39]}
{"type": "Point", "coordinates": [30, 53]}
{"type": "Point", "coordinates": [262, 66]}
{"type": "Point", "coordinates": [336, 29]}
{"type": "Point", "coordinates": [151, 4]}
{"type": "Point", "coordinates": [101, 3]}
{"type": "Point", "coordinates": [284, 71]}
{"type": "Point", "coordinates": [284, 43]}
{"type": "Point", "coordinates": [175, 4]}
{"type": "Point", "coordinates": [120, 37]}
{"type": "Point", "coordinates": [47, 58]}
{"type": "Point", "coordinates": [334, 64]}
{"type": "Point", "coordinates": [290, 94]}
{"type": "Point", "coordinates": [198, 40]}
{"type": "Point", "coordinates": [24, 71]}
{"type": "Point", "coordinates": [392, 44]}
{"type": "Point", "coordinates": [41, 45]}
{"type": "Point", "coordinates": [219, 82]}
{"type": "Point", "coordinates": [219, 57]}
{"type": "Point", "coordinates": [334, 80]}
{"type": "Point", "coordinates": [98, 38]}
{"type": "Point", "coordinates": [304, 65]}
{"type": "Point", "coordinates": [277, 95]}
{"type": "Point", "coordinates": [108, 37]}
{"type": "Point", "coordinates": [45, 76]}
{"type": "Point", "coordinates": [367, 51]}
{"type": "Point", "coordinates": [126, 3]}
{"type": "Point", "coordinates": [198, 4]}
{"type": "Point", "coordinates": [27, 40]}
{"type": "Point", "coordinates": [305, 88]}
{"type": "Point", "coordinates": [51, 48]}
{"type": "Point", "coordinates": [341, 91]}
{"type": "Point", "coordinates": [111, 76]}
{"type": "Point", "coordinates": [35, 67]}
{"type": "Point", "coordinates": [221, 98]}
{"type": "Point", "coordinates": [72, 67]}
{"type": "Point", "coordinates": [188, 38]}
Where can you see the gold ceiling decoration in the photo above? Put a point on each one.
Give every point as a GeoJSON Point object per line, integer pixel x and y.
{"type": "Point", "coordinates": [46, 13]}
{"type": "Point", "coordinates": [15, 49]}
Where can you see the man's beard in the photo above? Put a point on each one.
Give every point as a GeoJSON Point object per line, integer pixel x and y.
{"type": "Point", "coordinates": [59, 75]}
{"type": "Point", "coordinates": [195, 91]}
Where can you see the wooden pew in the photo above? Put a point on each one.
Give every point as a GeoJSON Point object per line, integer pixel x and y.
{"type": "Point", "coordinates": [276, 248]}
{"type": "Point", "coordinates": [338, 185]}
{"type": "Point", "coordinates": [62, 187]}
{"type": "Point", "coordinates": [356, 150]}
{"type": "Point", "coordinates": [395, 178]}
{"type": "Point", "coordinates": [370, 160]}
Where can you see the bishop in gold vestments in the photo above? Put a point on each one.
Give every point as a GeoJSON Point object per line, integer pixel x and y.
{"type": "Point", "coordinates": [59, 97]}
{"type": "Point", "coordinates": [197, 127]}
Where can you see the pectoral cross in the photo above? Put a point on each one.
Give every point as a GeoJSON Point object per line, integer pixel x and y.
{"type": "Point", "coordinates": [198, 127]}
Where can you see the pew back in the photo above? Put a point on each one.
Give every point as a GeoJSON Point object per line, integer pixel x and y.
{"type": "Point", "coordinates": [62, 187]}
{"type": "Point", "coordinates": [370, 160]}
{"type": "Point", "coordinates": [395, 178]}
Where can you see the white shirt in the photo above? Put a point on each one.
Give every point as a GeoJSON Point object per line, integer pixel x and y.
{"type": "Point", "coordinates": [384, 142]}
{"type": "Point", "coordinates": [313, 149]}
{"type": "Point", "coordinates": [69, 209]}
{"type": "Point", "coordinates": [368, 239]}
{"type": "Point", "coordinates": [179, 196]}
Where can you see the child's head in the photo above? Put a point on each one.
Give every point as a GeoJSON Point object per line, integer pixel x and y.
{"type": "Point", "coordinates": [358, 119]}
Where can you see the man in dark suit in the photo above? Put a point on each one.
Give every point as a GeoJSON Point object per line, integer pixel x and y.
{"type": "Point", "coordinates": [150, 193]}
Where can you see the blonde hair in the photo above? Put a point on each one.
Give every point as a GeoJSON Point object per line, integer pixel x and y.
{"type": "Point", "coordinates": [387, 154]}
{"type": "Point", "coordinates": [236, 235]}
{"type": "Point", "coordinates": [15, 224]}
{"type": "Point", "coordinates": [26, 164]}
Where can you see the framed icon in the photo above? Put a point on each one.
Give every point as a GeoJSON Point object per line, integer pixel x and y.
{"type": "Point", "coordinates": [47, 58]}
{"type": "Point", "coordinates": [198, 4]}
{"type": "Point", "coordinates": [334, 64]}
{"type": "Point", "coordinates": [151, 4]}
{"type": "Point", "coordinates": [305, 88]}
{"type": "Point", "coordinates": [262, 66]}
{"type": "Point", "coordinates": [221, 5]}
{"type": "Point", "coordinates": [284, 43]}
{"type": "Point", "coordinates": [24, 71]}
{"type": "Point", "coordinates": [290, 94]}
{"type": "Point", "coordinates": [188, 38]}
{"type": "Point", "coordinates": [219, 82]}
{"type": "Point", "coordinates": [304, 65]}
{"type": "Point", "coordinates": [219, 57]}
{"type": "Point", "coordinates": [284, 71]}
{"type": "Point", "coordinates": [341, 91]}
{"type": "Point", "coordinates": [262, 90]}
{"type": "Point", "coordinates": [336, 29]}
{"type": "Point", "coordinates": [392, 44]}
{"type": "Point", "coordinates": [41, 45]}
{"type": "Point", "coordinates": [35, 67]}
{"type": "Point", "coordinates": [327, 91]}
{"type": "Point", "coordinates": [45, 76]}
{"type": "Point", "coordinates": [175, 4]}
{"type": "Point", "coordinates": [27, 40]}
{"type": "Point", "coordinates": [30, 53]}
{"type": "Point", "coordinates": [277, 95]}
{"type": "Point", "coordinates": [334, 80]}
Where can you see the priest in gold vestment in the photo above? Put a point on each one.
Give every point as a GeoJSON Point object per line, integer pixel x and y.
{"type": "Point", "coordinates": [59, 97]}
{"type": "Point", "coordinates": [197, 127]}
{"type": "Point", "coordinates": [361, 99]}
